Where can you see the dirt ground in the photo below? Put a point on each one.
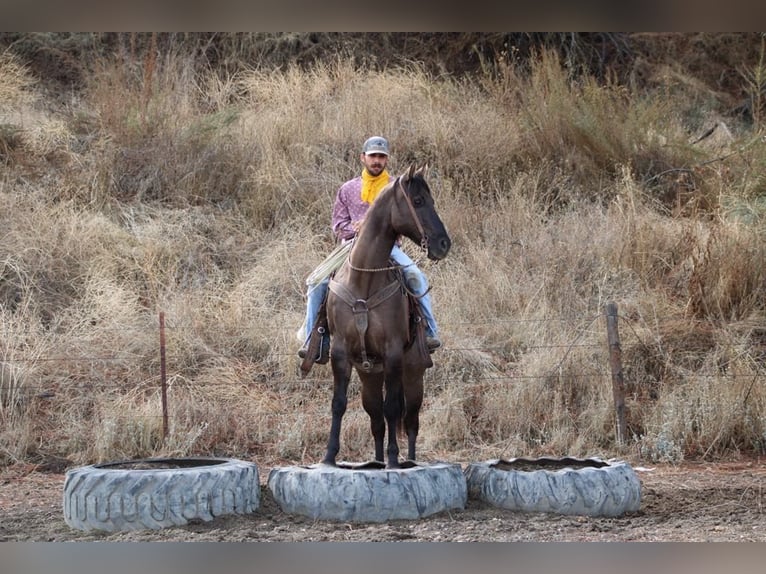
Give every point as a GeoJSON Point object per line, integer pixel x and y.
{"type": "Point", "coordinates": [689, 502]}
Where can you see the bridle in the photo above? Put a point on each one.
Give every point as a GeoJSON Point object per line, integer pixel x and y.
{"type": "Point", "coordinates": [418, 225]}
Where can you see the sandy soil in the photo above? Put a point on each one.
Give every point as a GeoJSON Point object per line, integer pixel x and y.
{"type": "Point", "coordinates": [690, 502]}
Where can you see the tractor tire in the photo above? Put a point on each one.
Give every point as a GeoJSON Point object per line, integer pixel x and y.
{"type": "Point", "coordinates": [589, 487]}
{"type": "Point", "coordinates": [368, 492]}
{"type": "Point", "coordinates": [158, 493]}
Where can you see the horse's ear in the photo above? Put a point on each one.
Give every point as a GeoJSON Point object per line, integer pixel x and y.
{"type": "Point", "coordinates": [409, 173]}
{"type": "Point", "coordinates": [422, 171]}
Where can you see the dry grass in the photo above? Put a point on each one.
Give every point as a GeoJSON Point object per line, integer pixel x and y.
{"type": "Point", "coordinates": [26, 127]}
{"type": "Point", "coordinates": [205, 194]}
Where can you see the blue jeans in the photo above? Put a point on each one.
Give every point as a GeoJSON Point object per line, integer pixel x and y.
{"type": "Point", "coordinates": [416, 281]}
{"type": "Point", "coordinates": [315, 296]}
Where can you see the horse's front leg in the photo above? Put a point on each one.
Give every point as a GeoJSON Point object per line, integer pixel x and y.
{"type": "Point", "coordinates": [372, 401]}
{"type": "Point", "coordinates": [393, 405]}
{"type": "Point", "coordinates": [413, 399]}
{"type": "Point", "coordinates": [341, 372]}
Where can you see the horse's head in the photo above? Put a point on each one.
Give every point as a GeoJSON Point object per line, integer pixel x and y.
{"type": "Point", "coordinates": [416, 216]}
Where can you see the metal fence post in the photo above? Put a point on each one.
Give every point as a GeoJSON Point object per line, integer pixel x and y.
{"type": "Point", "coordinates": [163, 378]}
{"type": "Point", "coordinates": [615, 362]}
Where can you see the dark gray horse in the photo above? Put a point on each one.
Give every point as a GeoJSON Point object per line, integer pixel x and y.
{"type": "Point", "coordinates": [368, 314]}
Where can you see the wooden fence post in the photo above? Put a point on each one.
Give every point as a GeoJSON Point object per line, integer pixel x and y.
{"type": "Point", "coordinates": [615, 362]}
{"type": "Point", "coordinates": [163, 378]}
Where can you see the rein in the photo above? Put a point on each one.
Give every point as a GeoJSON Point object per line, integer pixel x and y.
{"type": "Point", "coordinates": [373, 270]}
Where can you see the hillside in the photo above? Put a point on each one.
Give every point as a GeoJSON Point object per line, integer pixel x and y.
{"type": "Point", "coordinates": [191, 176]}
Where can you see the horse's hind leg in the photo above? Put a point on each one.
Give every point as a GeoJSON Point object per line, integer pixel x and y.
{"type": "Point", "coordinates": [341, 371]}
{"type": "Point", "coordinates": [372, 401]}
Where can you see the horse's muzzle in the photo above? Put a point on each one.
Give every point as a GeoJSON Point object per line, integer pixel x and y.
{"type": "Point", "coordinates": [438, 249]}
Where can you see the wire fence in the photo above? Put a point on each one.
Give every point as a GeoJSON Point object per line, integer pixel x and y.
{"type": "Point", "coordinates": [158, 369]}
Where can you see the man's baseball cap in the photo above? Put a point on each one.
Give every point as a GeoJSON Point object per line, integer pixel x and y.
{"type": "Point", "coordinates": [375, 144]}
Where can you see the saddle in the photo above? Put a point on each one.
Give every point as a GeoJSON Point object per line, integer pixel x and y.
{"type": "Point", "coordinates": [319, 335]}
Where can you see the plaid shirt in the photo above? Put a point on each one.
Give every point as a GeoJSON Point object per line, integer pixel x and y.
{"type": "Point", "coordinates": [349, 208]}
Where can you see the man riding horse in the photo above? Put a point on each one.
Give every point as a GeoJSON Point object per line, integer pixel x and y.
{"type": "Point", "coordinates": [351, 204]}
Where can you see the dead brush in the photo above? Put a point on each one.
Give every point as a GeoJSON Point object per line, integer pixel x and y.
{"type": "Point", "coordinates": [726, 282]}
{"type": "Point", "coordinates": [166, 184]}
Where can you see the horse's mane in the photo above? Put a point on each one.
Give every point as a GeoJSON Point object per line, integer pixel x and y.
{"type": "Point", "coordinates": [387, 190]}
{"type": "Point", "coordinates": [382, 197]}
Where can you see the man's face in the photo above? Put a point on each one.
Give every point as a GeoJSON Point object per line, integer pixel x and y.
{"type": "Point", "coordinates": [375, 163]}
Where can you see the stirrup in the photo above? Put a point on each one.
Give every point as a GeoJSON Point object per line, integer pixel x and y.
{"type": "Point", "coordinates": [321, 348]}
{"type": "Point", "coordinates": [324, 350]}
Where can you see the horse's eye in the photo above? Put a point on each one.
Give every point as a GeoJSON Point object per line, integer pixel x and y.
{"type": "Point", "coordinates": [417, 202]}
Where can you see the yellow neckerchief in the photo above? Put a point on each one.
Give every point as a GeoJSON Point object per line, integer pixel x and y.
{"type": "Point", "coordinates": [372, 184]}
